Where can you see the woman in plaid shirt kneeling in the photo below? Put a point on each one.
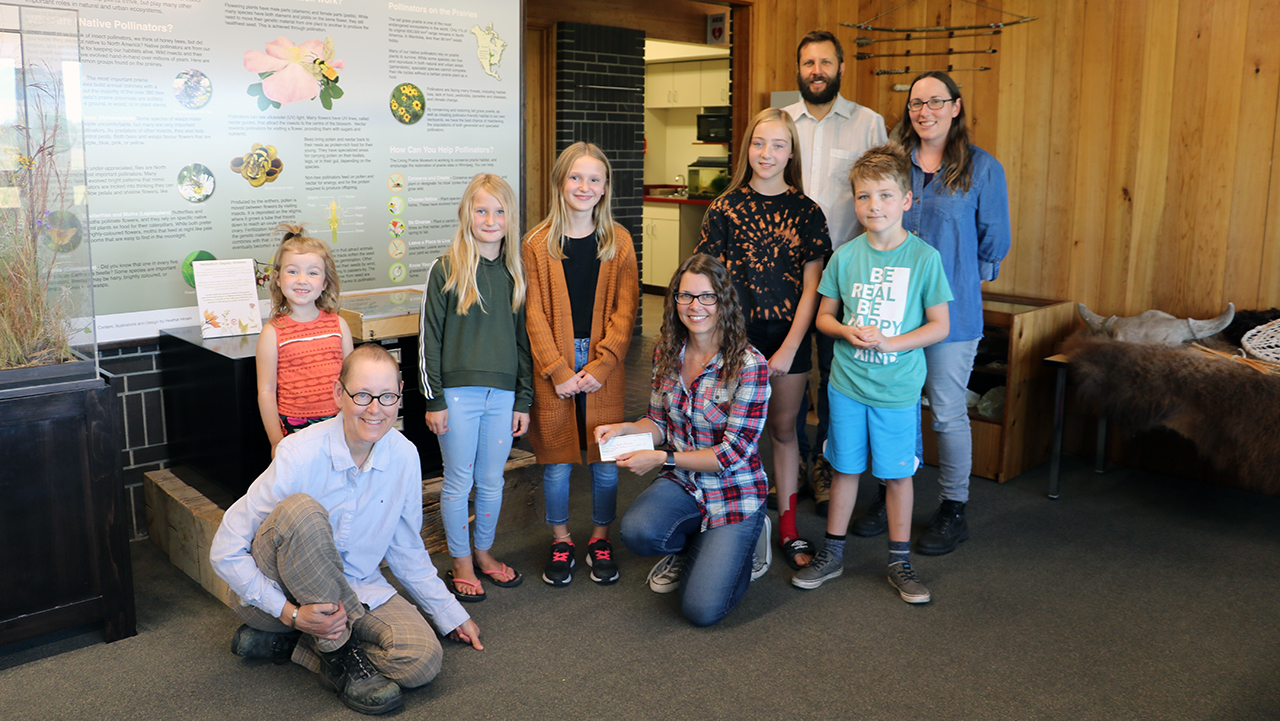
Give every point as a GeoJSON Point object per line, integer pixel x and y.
{"type": "Point", "coordinates": [706, 510]}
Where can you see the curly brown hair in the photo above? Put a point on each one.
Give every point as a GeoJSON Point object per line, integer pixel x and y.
{"type": "Point", "coordinates": [729, 322]}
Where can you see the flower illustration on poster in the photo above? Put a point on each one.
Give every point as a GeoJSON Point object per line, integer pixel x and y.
{"type": "Point", "coordinates": [292, 73]}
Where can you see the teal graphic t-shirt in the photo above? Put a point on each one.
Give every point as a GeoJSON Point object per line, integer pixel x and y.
{"type": "Point", "coordinates": [891, 289]}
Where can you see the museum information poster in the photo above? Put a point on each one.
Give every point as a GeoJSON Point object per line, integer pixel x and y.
{"type": "Point", "coordinates": [207, 124]}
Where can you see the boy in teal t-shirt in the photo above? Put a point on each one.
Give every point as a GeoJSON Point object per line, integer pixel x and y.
{"type": "Point", "coordinates": [884, 298]}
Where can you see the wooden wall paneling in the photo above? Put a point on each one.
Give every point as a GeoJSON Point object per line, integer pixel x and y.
{"type": "Point", "coordinates": [1259, 90]}
{"type": "Point", "coordinates": [1269, 285]}
{"type": "Point", "coordinates": [1179, 226]}
{"type": "Point", "coordinates": [678, 20]}
{"type": "Point", "coordinates": [1151, 187]}
{"type": "Point", "coordinates": [1064, 133]}
{"type": "Point", "coordinates": [1088, 242]}
{"type": "Point", "coordinates": [1124, 86]}
{"type": "Point", "coordinates": [1203, 267]}
{"type": "Point", "coordinates": [540, 120]}
{"type": "Point", "coordinates": [1036, 98]}
{"type": "Point", "coordinates": [1011, 108]}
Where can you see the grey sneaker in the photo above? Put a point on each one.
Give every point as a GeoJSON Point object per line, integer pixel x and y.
{"type": "Point", "coordinates": [665, 576]}
{"type": "Point", "coordinates": [824, 567]}
{"type": "Point", "coordinates": [903, 577]}
{"type": "Point", "coordinates": [763, 555]}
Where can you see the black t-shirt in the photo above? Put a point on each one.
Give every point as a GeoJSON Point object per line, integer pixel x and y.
{"type": "Point", "coordinates": [581, 270]}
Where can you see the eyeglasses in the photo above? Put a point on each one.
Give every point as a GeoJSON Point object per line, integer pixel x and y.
{"type": "Point", "coordinates": [933, 103]}
{"type": "Point", "coordinates": [364, 399]}
{"type": "Point", "coordinates": [703, 298]}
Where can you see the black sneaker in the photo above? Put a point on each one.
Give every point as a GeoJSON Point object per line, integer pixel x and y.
{"type": "Point", "coordinates": [875, 521]}
{"type": "Point", "coordinates": [559, 570]}
{"type": "Point", "coordinates": [249, 642]}
{"type": "Point", "coordinates": [349, 672]}
{"type": "Point", "coordinates": [604, 569]}
{"type": "Point", "coordinates": [948, 530]}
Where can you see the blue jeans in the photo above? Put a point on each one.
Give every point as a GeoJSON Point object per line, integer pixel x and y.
{"type": "Point", "coordinates": [475, 451]}
{"type": "Point", "coordinates": [665, 519]}
{"type": "Point", "coordinates": [604, 476]}
{"type": "Point", "coordinates": [949, 367]}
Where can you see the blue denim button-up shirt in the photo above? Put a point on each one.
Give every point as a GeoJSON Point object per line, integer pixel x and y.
{"type": "Point", "coordinates": [971, 230]}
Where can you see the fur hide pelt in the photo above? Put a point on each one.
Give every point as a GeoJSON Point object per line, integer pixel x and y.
{"type": "Point", "coordinates": [1230, 411]}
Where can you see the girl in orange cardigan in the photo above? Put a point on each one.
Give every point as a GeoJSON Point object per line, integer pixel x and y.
{"type": "Point", "coordinates": [583, 289]}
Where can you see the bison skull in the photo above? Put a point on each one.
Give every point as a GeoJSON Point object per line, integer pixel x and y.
{"type": "Point", "coordinates": [1156, 326]}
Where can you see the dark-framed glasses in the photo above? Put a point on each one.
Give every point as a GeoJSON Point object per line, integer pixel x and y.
{"type": "Point", "coordinates": [364, 399]}
{"type": "Point", "coordinates": [704, 298]}
{"type": "Point", "coordinates": [933, 103]}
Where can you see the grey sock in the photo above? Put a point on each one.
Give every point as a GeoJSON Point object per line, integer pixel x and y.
{"type": "Point", "coordinates": [899, 552]}
{"type": "Point", "coordinates": [835, 546]}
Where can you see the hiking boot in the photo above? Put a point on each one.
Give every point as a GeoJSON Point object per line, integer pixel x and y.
{"type": "Point", "coordinates": [249, 642]}
{"type": "Point", "coordinates": [559, 570]}
{"type": "Point", "coordinates": [824, 567]}
{"type": "Point", "coordinates": [821, 485]}
{"type": "Point", "coordinates": [948, 530]}
{"type": "Point", "coordinates": [763, 555]}
{"type": "Point", "coordinates": [875, 521]}
{"type": "Point", "coordinates": [600, 558]}
{"type": "Point", "coordinates": [903, 577]}
{"type": "Point", "coordinates": [349, 672]}
{"type": "Point", "coordinates": [665, 576]}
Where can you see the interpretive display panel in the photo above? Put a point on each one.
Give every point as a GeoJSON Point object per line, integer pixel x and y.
{"type": "Point", "coordinates": [208, 123]}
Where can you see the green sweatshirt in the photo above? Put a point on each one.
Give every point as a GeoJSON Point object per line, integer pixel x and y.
{"type": "Point", "coordinates": [489, 349]}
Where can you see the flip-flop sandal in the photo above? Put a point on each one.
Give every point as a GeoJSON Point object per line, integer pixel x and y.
{"type": "Point", "coordinates": [796, 547]}
{"type": "Point", "coordinates": [477, 591]}
{"type": "Point", "coordinates": [516, 578]}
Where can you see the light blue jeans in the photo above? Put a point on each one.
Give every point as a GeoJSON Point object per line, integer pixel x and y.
{"type": "Point", "coordinates": [604, 476]}
{"type": "Point", "coordinates": [665, 519]}
{"type": "Point", "coordinates": [475, 451]}
{"type": "Point", "coordinates": [950, 365]}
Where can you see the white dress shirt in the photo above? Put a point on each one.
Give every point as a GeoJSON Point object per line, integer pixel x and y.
{"type": "Point", "coordinates": [375, 512]}
{"type": "Point", "coordinates": [828, 149]}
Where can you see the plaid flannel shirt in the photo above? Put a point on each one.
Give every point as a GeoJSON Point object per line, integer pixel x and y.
{"type": "Point", "coordinates": [711, 415]}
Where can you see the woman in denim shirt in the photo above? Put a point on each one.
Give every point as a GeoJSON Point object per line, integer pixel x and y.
{"type": "Point", "coordinates": [961, 208]}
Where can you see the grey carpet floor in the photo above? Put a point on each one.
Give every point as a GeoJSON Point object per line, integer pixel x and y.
{"type": "Point", "coordinates": [1132, 597]}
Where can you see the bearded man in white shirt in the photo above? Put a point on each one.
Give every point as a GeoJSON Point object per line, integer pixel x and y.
{"type": "Point", "coordinates": [301, 549]}
{"type": "Point", "coordinates": [834, 132]}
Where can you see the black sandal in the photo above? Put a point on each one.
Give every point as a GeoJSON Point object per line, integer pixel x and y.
{"type": "Point", "coordinates": [796, 547]}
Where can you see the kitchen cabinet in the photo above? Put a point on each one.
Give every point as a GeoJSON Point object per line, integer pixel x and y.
{"type": "Point", "coordinates": [660, 243]}
{"type": "Point", "coordinates": [688, 84]}
{"type": "Point", "coordinates": [714, 82]}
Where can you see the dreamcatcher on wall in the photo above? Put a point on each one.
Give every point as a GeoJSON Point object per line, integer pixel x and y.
{"type": "Point", "coordinates": [937, 32]}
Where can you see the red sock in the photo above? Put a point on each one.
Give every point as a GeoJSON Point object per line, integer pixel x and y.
{"type": "Point", "coordinates": [787, 521]}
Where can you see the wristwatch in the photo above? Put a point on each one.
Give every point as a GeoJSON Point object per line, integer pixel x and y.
{"type": "Point", "coordinates": [671, 460]}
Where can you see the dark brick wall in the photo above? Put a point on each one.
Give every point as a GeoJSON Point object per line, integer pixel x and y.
{"type": "Point", "coordinates": [142, 403]}
{"type": "Point", "coordinates": [611, 118]}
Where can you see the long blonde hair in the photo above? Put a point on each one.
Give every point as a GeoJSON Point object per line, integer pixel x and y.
{"type": "Point", "coordinates": [464, 254]}
{"type": "Point", "coordinates": [293, 241]}
{"type": "Point", "coordinates": [601, 215]}
{"type": "Point", "coordinates": [793, 174]}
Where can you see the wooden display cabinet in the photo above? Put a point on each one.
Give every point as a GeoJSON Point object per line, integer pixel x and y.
{"type": "Point", "coordinates": [1019, 333]}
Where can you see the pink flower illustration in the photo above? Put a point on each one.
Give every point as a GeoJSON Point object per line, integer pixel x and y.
{"type": "Point", "coordinates": [291, 78]}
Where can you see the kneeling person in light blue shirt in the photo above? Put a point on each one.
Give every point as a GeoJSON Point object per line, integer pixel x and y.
{"type": "Point", "coordinates": [884, 298]}
{"type": "Point", "coordinates": [301, 550]}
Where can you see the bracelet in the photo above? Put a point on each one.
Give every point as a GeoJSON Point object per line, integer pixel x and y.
{"type": "Point", "coordinates": [294, 620]}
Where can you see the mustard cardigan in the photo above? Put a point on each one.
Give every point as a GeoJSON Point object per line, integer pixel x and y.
{"type": "Point", "coordinates": [554, 429]}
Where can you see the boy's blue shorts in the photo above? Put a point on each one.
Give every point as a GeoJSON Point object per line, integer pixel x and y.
{"type": "Point", "coordinates": [888, 433]}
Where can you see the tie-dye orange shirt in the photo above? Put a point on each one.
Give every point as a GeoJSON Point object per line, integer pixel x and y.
{"type": "Point", "coordinates": [765, 242]}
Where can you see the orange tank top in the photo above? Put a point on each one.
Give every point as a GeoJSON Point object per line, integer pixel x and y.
{"type": "Point", "coordinates": [309, 360]}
